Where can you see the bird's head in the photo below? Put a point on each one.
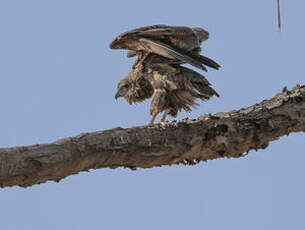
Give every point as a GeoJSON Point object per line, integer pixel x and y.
{"type": "Point", "coordinates": [123, 88]}
{"type": "Point", "coordinates": [134, 89]}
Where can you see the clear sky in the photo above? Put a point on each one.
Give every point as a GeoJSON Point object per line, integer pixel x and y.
{"type": "Point", "coordinates": [58, 79]}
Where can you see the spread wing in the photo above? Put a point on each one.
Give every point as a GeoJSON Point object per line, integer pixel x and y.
{"type": "Point", "coordinates": [180, 37]}
{"type": "Point", "coordinates": [208, 62]}
{"type": "Point", "coordinates": [181, 44]}
{"type": "Point", "coordinates": [129, 39]}
{"type": "Point", "coordinates": [169, 52]}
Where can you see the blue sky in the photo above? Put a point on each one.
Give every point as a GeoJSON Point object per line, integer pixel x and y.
{"type": "Point", "coordinates": [58, 79]}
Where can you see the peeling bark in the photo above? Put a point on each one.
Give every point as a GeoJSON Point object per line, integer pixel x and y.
{"type": "Point", "coordinates": [231, 134]}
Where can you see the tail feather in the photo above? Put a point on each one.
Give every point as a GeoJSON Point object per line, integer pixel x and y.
{"type": "Point", "coordinates": [203, 91]}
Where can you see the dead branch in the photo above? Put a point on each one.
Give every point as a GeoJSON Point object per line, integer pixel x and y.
{"type": "Point", "coordinates": [230, 134]}
{"type": "Point", "coordinates": [278, 15]}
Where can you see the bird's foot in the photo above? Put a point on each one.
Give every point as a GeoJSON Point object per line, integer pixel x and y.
{"type": "Point", "coordinates": [162, 120]}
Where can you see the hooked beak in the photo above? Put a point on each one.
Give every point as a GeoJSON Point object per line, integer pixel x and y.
{"type": "Point", "coordinates": [121, 92]}
{"type": "Point", "coordinates": [117, 95]}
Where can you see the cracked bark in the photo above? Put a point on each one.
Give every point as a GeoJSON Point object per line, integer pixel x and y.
{"type": "Point", "coordinates": [230, 134]}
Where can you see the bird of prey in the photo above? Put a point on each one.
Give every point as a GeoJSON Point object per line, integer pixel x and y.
{"type": "Point", "coordinates": [177, 43]}
{"type": "Point", "coordinates": [172, 86]}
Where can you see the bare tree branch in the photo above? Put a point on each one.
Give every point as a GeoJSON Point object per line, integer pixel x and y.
{"type": "Point", "coordinates": [229, 134]}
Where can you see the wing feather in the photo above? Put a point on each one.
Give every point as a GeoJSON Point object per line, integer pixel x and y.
{"type": "Point", "coordinates": [169, 52]}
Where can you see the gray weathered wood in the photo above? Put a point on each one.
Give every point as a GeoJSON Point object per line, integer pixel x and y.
{"type": "Point", "coordinates": [230, 134]}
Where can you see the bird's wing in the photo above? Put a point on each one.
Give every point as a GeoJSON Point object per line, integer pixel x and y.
{"type": "Point", "coordinates": [180, 37]}
{"type": "Point", "coordinates": [208, 62]}
{"type": "Point", "coordinates": [175, 31]}
{"type": "Point", "coordinates": [131, 53]}
{"type": "Point", "coordinates": [169, 52]}
{"type": "Point", "coordinates": [146, 28]}
{"type": "Point", "coordinates": [162, 69]}
{"type": "Point", "coordinates": [129, 40]}
{"type": "Point", "coordinates": [202, 90]}
{"type": "Point", "coordinates": [197, 84]}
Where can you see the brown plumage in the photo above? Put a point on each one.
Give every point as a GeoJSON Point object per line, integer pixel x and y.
{"type": "Point", "coordinates": [177, 43]}
{"type": "Point", "coordinates": [172, 86]}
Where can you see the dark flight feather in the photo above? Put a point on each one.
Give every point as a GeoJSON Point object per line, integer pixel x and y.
{"type": "Point", "coordinates": [179, 43]}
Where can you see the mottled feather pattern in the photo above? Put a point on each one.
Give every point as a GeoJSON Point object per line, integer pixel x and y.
{"type": "Point", "coordinates": [179, 43]}
{"type": "Point", "coordinates": [158, 73]}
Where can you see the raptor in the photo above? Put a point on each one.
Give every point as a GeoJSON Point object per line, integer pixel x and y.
{"type": "Point", "coordinates": [173, 87]}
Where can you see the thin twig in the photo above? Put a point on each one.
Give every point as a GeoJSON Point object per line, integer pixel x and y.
{"type": "Point", "coordinates": [279, 15]}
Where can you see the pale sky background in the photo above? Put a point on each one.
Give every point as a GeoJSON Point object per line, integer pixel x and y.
{"type": "Point", "coordinates": [58, 79]}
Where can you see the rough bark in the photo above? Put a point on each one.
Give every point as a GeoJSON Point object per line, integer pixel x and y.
{"type": "Point", "coordinates": [230, 134]}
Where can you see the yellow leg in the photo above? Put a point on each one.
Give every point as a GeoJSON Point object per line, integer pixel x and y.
{"type": "Point", "coordinates": [153, 119]}
{"type": "Point", "coordinates": [163, 117]}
